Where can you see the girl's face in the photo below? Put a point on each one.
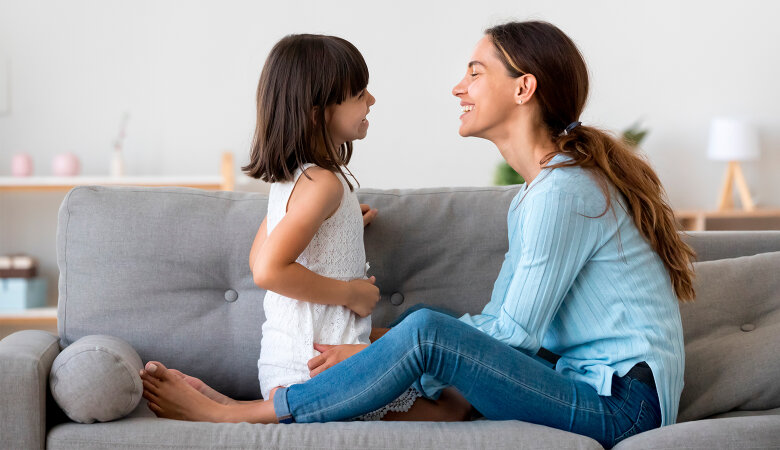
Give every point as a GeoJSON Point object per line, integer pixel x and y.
{"type": "Point", "coordinates": [347, 121]}
{"type": "Point", "coordinates": [486, 93]}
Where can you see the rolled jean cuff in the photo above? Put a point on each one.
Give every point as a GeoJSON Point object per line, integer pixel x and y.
{"type": "Point", "coordinates": [281, 408]}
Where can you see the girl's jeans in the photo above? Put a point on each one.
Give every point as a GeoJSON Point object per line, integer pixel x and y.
{"type": "Point", "coordinates": [499, 381]}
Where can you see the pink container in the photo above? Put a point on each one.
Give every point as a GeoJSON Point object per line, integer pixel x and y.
{"type": "Point", "coordinates": [21, 165]}
{"type": "Point", "coordinates": [65, 165]}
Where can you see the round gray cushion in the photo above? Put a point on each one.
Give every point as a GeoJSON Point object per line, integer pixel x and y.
{"type": "Point", "coordinates": [96, 379]}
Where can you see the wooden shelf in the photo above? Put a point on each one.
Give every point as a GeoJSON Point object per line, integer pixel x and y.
{"type": "Point", "coordinates": [26, 316]}
{"type": "Point", "coordinates": [758, 219]}
{"type": "Point", "coordinates": [224, 182]}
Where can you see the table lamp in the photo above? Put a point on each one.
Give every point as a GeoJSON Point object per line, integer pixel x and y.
{"type": "Point", "coordinates": [733, 140]}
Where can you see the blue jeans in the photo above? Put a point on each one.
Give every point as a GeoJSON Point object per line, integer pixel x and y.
{"type": "Point", "coordinates": [499, 381]}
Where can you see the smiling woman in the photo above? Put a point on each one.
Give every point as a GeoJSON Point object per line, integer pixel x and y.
{"type": "Point", "coordinates": [595, 270]}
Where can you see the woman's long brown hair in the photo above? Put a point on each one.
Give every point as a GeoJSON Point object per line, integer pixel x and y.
{"type": "Point", "coordinates": [303, 74]}
{"type": "Point", "coordinates": [543, 50]}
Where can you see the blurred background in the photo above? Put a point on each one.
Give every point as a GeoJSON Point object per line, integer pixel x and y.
{"type": "Point", "coordinates": [180, 79]}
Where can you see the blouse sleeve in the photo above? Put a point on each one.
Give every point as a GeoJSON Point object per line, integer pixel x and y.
{"type": "Point", "coordinates": [550, 243]}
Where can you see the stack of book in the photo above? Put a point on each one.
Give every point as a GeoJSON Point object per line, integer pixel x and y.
{"type": "Point", "coordinates": [20, 287]}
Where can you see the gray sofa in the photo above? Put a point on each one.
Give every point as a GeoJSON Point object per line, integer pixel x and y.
{"type": "Point", "coordinates": [166, 270]}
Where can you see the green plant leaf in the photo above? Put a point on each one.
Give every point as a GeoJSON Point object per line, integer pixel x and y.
{"type": "Point", "coordinates": [506, 175]}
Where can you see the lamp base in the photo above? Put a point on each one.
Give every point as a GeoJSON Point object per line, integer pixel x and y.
{"type": "Point", "coordinates": [734, 175]}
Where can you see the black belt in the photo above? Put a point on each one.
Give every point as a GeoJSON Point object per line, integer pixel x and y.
{"type": "Point", "coordinates": [642, 373]}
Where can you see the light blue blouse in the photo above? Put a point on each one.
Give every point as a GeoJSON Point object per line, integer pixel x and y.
{"type": "Point", "coordinates": [589, 289]}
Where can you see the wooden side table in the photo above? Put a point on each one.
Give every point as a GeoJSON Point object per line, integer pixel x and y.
{"type": "Point", "coordinates": [758, 219]}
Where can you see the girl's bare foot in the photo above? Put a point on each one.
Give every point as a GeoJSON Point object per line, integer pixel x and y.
{"type": "Point", "coordinates": [171, 397]}
{"type": "Point", "coordinates": [203, 388]}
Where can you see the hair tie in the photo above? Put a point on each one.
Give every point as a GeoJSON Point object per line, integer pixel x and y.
{"type": "Point", "coordinates": [571, 126]}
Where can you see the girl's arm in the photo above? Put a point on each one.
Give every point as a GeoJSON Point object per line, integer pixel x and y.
{"type": "Point", "coordinates": [275, 268]}
{"type": "Point", "coordinates": [258, 242]}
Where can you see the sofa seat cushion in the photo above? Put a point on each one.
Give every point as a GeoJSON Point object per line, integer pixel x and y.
{"type": "Point", "coordinates": [162, 433]}
{"type": "Point", "coordinates": [142, 430]}
{"type": "Point", "coordinates": [734, 432]}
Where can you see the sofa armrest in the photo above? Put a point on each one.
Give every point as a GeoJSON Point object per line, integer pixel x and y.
{"type": "Point", "coordinates": [26, 358]}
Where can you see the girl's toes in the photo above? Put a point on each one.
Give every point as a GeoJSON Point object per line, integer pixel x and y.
{"type": "Point", "coordinates": [157, 370]}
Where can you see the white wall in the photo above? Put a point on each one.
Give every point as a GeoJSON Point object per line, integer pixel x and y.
{"type": "Point", "coordinates": [187, 73]}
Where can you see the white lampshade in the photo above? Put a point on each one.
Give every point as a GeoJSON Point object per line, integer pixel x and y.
{"type": "Point", "coordinates": [733, 140]}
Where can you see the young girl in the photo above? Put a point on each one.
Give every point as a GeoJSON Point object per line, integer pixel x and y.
{"type": "Point", "coordinates": [308, 252]}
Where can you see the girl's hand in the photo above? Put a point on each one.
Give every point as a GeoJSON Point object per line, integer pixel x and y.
{"type": "Point", "coordinates": [363, 296]}
{"type": "Point", "coordinates": [330, 355]}
{"type": "Point", "coordinates": [368, 214]}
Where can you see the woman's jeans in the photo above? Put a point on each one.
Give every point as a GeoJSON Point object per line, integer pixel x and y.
{"type": "Point", "coordinates": [500, 382]}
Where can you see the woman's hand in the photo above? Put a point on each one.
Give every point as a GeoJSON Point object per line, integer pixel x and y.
{"type": "Point", "coordinates": [330, 355]}
{"type": "Point", "coordinates": [363, 296]}
{"type": "Point", "coordinates": [368, 214]}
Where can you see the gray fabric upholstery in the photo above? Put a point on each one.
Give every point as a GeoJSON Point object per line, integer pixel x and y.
{"type": "Point", "coordinates": [765, 412]}
{"type": "Point", "coordinates": [733, 433]}
{"type": "Point", "coordinates": [25, 360]}
{"type": "Point", "coordinates": [729, 332]}
{"type": "Point", "coordinates": [142, 431]}
{"type": "Point", "coordinates": [711, 245]}
{"type": "Point", "coordinates": [96, 379]}
{"type": "Point", "coordinates": [152, 266]}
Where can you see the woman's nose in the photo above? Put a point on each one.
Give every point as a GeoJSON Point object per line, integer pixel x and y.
{"type": "Point", "coordinates": [371, 99]}
{"type": "Point", "coordinates": [459, 88]}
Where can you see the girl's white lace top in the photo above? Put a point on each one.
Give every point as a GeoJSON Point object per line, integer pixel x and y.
{"type": "Point", "coordinates": [292, 327]}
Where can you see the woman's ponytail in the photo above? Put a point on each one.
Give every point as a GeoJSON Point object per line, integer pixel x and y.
{"type": "Point", "coordinates": [612, 160]}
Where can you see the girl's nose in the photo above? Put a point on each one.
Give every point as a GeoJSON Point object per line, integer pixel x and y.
{"type": "Point", "coordinates": [371, 99]}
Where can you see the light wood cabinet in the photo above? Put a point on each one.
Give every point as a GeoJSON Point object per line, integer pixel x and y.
{"type": "Point", "coordinates": [758, 219]}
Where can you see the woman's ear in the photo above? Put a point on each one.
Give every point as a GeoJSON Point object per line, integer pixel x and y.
{"type": "Point", "coordinates": [525, 88]}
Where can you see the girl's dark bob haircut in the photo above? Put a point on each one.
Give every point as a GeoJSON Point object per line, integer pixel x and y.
{"type": "Point", "coordinates": [304, 73]}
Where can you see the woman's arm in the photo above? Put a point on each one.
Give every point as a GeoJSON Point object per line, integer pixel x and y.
{"type": "Point", "coordinates": [550, 244]}
{"type": "Point", "coordinates": [330, 355]}
{"type": "Point", "coordinates": [275, 268]}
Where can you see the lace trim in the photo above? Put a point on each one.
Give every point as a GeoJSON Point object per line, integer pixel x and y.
{"type": "Point", "coordinates": [401, 404]}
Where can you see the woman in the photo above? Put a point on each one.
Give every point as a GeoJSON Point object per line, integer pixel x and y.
{"type": "Point", "coordinates": [594, 272]}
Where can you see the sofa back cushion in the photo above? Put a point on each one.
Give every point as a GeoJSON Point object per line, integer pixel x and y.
{"type": "Point", "coordinates": [732, 336]}
{"type": "Point", "coordinates": [167, 269]}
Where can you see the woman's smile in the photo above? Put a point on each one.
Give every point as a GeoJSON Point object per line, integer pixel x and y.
{"type": "Point", "coordinates": [466, 108]}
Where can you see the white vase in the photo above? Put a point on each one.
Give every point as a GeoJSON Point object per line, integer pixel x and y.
{"type": "Point", "coordinates": [117, 164]}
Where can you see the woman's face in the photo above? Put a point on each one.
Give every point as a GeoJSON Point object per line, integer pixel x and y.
{"type": "Point", "coordinates": [486, 93]}
{"type": "Point", "coordinates": [347, 121]}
